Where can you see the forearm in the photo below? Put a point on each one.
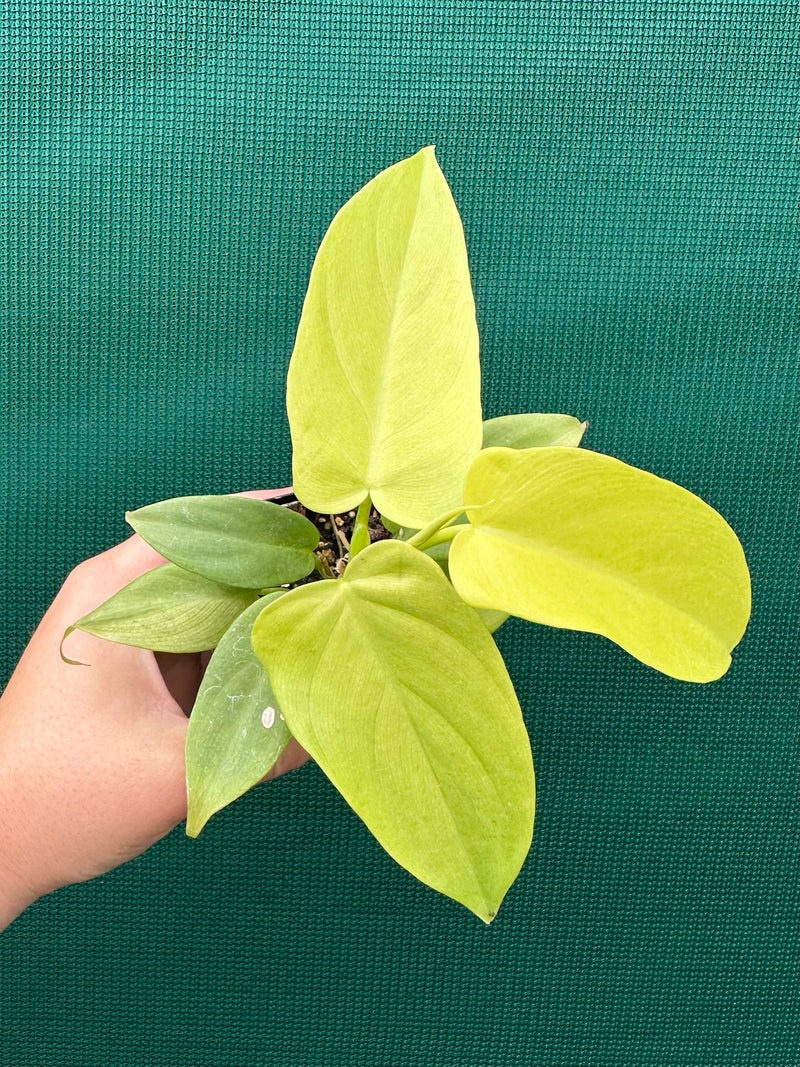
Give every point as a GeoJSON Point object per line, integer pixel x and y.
{"type": "Point", "coordinates": [16, 892]}
{"type": "Point", "coordinates": [20, 852]}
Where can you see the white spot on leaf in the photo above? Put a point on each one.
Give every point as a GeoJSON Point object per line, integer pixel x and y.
{"type": "Point", "coordinates": [268, 717]}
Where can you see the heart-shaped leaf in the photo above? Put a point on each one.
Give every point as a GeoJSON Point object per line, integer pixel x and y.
{"type": "Point", "coordinates": [398, 691]}
{"type": "Point", "coordinates": [532, 431]}
{"type": "Point", "coordinates": [234, 540]}
{"type": "Point", "coordinates": [383, 390]}
{"type": "Point", "coordinates": [166, 609]}
{"type": "Point", "coordinates": [573, 538]}
{"type": "Point", "coordinates": [236, 729]}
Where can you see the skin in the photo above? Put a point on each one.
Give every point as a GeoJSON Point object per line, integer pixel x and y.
{"type": "Point", "coordinates": [92, 769]}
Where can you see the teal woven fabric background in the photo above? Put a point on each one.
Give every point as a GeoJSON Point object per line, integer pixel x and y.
{"type": "Point", "coordinates": [625, 172]}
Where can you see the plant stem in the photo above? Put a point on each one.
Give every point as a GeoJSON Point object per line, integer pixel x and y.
{"type": "Point", "coordinates": [422, 537]}
{"type": "Point", "coordinates": [360, 538]}
{"type": "Point", "coordinates": [447, 533]}
{"type": "Point", "coordinates": [344, 544]}
{"type": "Point", "coordinates": [323, 567]}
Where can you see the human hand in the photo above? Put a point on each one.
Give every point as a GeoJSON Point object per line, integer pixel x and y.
{"type": "Point", "coordinates": [92, 768]}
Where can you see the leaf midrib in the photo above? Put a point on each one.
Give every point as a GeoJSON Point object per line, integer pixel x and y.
{"type": "Point", "coordinates": [384, 384]}
{"type": "Point", "coordinates": [526, 542]}
{"type": "Point", "coordinates": [391, 680]}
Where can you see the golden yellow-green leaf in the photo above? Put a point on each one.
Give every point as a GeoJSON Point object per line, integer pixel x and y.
{"type": "Point", "coordinates": [383, 389]}
{"type": "Point", "coordinates": [576, 539]}
{"type": "Point", "coordinates": [397, 690]}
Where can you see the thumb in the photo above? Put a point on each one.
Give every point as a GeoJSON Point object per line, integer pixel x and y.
{"type": "Point", "coordinates": [266, 494]}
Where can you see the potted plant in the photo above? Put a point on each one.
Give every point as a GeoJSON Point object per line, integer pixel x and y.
{"type": "Point", "coordinates": [357, 613]}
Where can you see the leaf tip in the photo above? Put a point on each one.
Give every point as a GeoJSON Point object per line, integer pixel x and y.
{"type": "Point", "coordinates": [65, 659]}
{"type": "Point", "coordinates": [485, 910]}
{"type": "Point", "coordinates": [195, 821]}
{"type": "Point", "coordinates": [428, 154]}
{"type": "Point", "coordinates": [132, 520]}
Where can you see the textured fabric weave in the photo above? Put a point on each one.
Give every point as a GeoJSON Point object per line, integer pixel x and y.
{"type": "Point", "coordinates": [625, 172]}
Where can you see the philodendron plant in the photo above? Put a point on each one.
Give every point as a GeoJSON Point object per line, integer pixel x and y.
{"type": "Point", "coordinates": [382, 663]}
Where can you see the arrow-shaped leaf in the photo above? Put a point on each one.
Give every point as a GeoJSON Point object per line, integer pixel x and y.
{"type": "Point", "coordinates": [235, 540]}
{"type": "Point", "coordinates": [236, 729]}
{"type": "Point", "coordinates": [397, 690]}
{"type": "Point", "coordinates": [573, 538]}
{"type": "Point", "coordinates": [383, 389]}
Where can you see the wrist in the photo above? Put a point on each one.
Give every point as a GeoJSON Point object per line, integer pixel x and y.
{"type": "Point", "coordinates": [15, 894]}
{"type": "Point", "coordinates": [17, 890]}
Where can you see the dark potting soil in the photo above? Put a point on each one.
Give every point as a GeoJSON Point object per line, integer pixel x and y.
{"type": "Point", "coordinates": [335, 532]}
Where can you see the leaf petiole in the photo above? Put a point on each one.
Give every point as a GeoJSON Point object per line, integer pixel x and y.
{"type": "Point", "coordinates": [423, 536]}
{"type": "Point", "coordinates": [323, 567]}
{"type": "Point", "coordinates": [441, 536]}
{"type": "Point", "coordinates": [360, 538]}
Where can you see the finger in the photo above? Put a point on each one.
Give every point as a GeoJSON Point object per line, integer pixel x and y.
{"type": "Point", "coordinates": [97, 579]}
{"type": "Point", "coordinates": [265, 494]}
{"type": "Point", "coordinates": [121, 563]}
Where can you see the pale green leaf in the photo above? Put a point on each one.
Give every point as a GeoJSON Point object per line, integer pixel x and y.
{"type": "Point", "coordinates": [166, 609]}
{"type": "Point", "coordinates": [235, 540]}
{"type": "Point", "coordinates": [393, 527]}
{"type": "Point", "coordinates": [383, 390]}
{"type": "Point", "coordinates": [576, 539]}
{"type": "Point", "coordinates": [397, 690]}
{"type": "Point", "coordinates": [402, 533]}
{"type": "Point", "coordinates": [533, 431]}
{"type": "Point", "coordinates": [236, 729]}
